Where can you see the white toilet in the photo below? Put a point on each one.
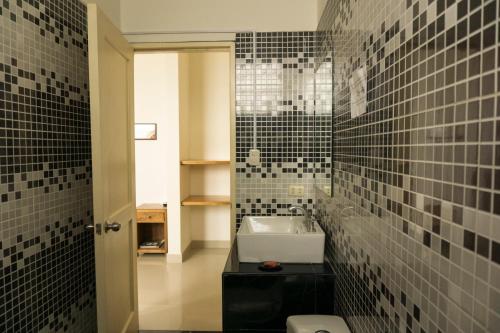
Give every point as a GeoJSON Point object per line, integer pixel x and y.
{"type": "Point", "coordinates": [316, 323]}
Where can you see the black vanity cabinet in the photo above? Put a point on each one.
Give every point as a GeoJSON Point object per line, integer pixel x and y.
{"type": "Point", "coordinates": [257, 301]}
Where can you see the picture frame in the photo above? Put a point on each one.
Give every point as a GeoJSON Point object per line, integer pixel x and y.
{"type": "Point", "coordinates": [146, 131]}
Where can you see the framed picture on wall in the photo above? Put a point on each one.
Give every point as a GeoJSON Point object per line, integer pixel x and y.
{"type": "Point", "coordinates": [145, 131]}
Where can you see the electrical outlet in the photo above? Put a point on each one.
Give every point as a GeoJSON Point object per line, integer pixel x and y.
{"type": "Point", "coordinates": [254, 157]}
{"type": "Point", "coordinates": [299, 190]}
{"type": "Point", "coordinates": [327, 189]}
{"type": "Point", "coordinates": [296, 190]}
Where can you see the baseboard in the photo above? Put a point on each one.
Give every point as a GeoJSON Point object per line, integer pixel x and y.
{"type": "Point", "coordinates": [178, 258]}
{"type": "Point", "coordinates": [187, 252]}
{"type": "Point", "coordinates": [175, 258]}
{"type": "Point", "coordinates": [210, 244]}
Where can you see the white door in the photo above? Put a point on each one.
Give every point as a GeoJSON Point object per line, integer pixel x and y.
{"type": "Point", "coordinates": [112, 126]}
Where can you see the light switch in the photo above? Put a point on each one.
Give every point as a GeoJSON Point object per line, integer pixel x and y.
{"type": "Point", "coordinates": [254, 157]}
{"type": "Point", "coordinates": [327, 189]}
{"type": "Point", "coordinates": [296, 190]}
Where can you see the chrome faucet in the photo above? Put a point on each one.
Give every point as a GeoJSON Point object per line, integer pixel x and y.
{"type": "Point", "coordinates": [309, 223]}
{"type": "Point", "coordinates": [344, 210]}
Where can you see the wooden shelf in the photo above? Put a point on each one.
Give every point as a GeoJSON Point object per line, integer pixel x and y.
{"type": "Point", "coordinates": [160, 250]}
{"type": "Point", "coordinates": [149, 222]}
{"type": "Point", "coordinates": [205, 162]}
{"type": "Point", "coordinates": [206, 200]}
{"type": "Point", "coordinates": [151, 207]}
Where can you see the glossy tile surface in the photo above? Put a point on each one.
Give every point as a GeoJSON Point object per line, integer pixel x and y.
{"type": "Point", "coordinates": [419, 249]}
{"type": "Point", "coordinates": [47, 276]}
{"type": "Point", "coordinates": [293, 121]}
{"type": "Point", "coordinates": [181, 297]}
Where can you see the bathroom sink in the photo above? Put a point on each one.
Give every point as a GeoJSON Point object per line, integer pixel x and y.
{"type": "Point", "coordinates": [279, 238]}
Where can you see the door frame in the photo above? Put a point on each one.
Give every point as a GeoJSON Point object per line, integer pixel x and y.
{"type": "Point", "coordinates": [229, 47]}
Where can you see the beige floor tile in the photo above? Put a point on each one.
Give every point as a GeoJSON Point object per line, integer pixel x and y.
{"type": "Point", "coordinates": [185, 296]}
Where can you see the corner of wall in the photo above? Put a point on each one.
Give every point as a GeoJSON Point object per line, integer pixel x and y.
{"type": "Point", "coordinates": [185, 216]}
{"type": "Point", "coordinates": [112, 9]}
{"type": "Point", "coordinates": [117, 13]}
{"type": "Point", "coordinates": [321, 4]}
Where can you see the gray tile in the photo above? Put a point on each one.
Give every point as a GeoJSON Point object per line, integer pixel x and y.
{"type": "Point", "coordinates": [428, 142]}
{"type": "Point", "coordinates": [46, 260]}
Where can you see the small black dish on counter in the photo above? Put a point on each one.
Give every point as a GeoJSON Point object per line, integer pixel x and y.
{"type": "Point", "coordinates": [270, 266]}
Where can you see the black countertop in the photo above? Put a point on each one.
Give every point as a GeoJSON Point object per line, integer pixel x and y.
{"type": "Point", "coordinates": [235, 267]}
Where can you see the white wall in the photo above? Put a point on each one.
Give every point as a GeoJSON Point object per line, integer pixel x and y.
{"type": "Point", "coordinates": [205, 15]}
{"type": "Point", "coordinates": [210, 15]}
{"type": "Point", "coordinates": [209, 106]}
{"type": "Point", "coordinates": [157, 162]}
{"type": "Point", "coordinates": [209, 138]}
{"type": "Point", "coordinates": [321, 7]}
{"type": "Point", "coordinates": [156, 101]}
{"type": "Point", "coordinates": [112, 8]}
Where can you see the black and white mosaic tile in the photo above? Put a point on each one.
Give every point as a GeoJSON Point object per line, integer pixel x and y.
{"type": "Point", "coordinates": [46, 259]}
{"type": "Point", "coordinates": [414, 224]}
{"type": "Point", "coordinates": [283, 78]}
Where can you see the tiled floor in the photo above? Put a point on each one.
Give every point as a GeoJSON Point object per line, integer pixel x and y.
{"type": "Point", "coordinates": [181, 297]}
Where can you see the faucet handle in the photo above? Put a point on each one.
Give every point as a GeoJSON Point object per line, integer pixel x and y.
{"type": "Point", "coordinates": [298, 208]}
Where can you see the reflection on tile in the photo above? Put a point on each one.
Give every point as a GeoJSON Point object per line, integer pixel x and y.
{"type": "Point", "coordinates": [182, 297]}
{"type": "Point", "coordinates": [421, 167]}
{"type": "Point", "coordinates": [293, 119]}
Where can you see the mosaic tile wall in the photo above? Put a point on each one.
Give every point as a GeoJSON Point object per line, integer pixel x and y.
{"type": "Point", "coordinates": [414, 224]}
{"type": "Point", "coordinates": [283, 78]}
{"type": "Point", "coordinates": [46, 258]}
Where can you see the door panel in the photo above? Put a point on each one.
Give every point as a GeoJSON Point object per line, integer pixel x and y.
{"type": "Point", "coordinates": [120, 295]}
{"type": "Point", "coordinates": [112, 123]}
{"type": "Point", "coordinates": [116, 137]}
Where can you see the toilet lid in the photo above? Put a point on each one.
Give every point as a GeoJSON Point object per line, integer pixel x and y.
{"type": "Point", "coordinates": [313, 323]}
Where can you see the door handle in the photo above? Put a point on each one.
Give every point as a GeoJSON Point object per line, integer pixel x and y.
{"type": "Point", "coordinates": [88, 227]}
{"type": "Point", "coordinates": [115, 226]}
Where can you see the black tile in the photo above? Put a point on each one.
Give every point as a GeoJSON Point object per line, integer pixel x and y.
{"type": "Point", "coordinates": [483, 246]}
{"type": "Point", "coordinates": [416, 312]}
{"type": "Point", "coordinates": [485, 178]}
{"type": "Point", "coordinates": [427, 238]}
{"type": "Point", "coordinates": [469, 240]}
{"type": "Point", "coordinates": [445, 249]}
{"type": "Point", "coordinates": [497, 180]}
{"type": "Point", "coordinates": [436, 226]}
{"type": "Point", "coordinates": [496, 206]}
{"type": "Point", "coordinates": [495, 252]}
{"type": "Point", "coordinates": [484, 201]}
{"type": "Point", "coordinates": [475, 22]}
{"type": "Point", "coordinates": [462, 8]}
{"type": "Point", "coordinates": [489, 12]}
{"type": "Point", "coordinates": [457, 215]}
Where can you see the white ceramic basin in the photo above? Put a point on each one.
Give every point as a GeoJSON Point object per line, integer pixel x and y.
{"type": "Point", "coordinates": [280, 238]}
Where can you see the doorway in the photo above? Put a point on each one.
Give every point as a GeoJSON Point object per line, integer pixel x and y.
{"type": "Point", "coordinates": [119, 228]}
{"type": "Point", "coordinates": [185, 169]}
